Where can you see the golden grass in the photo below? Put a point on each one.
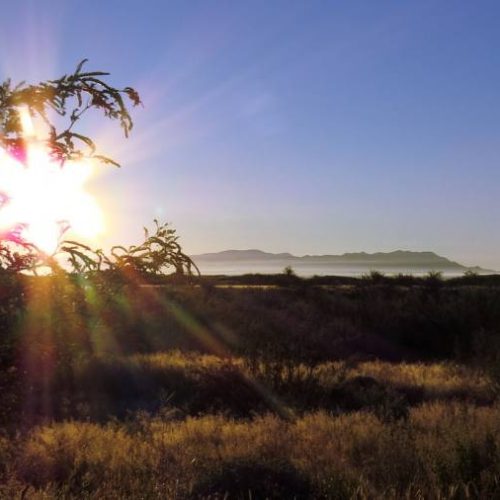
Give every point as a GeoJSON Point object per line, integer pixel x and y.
{"type": "Point", "coordinates": [178, 359]}
{"type": "Point", "coordinates": [436, 381]}
{"type": "Point", "coordinates": [435, 451]}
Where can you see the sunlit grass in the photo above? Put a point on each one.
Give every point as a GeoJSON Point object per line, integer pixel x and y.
{"type": "Point", "coordinates": [435, 380]}
{"type": "Point", "coordinates": [166, 370]}
{"type": "Point", "coordinates": [164, 393]}
{"type": "Point", "coordinates": [441, 447]}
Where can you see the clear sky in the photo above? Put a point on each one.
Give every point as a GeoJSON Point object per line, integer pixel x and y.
{"type": "Point", "coordinates": [309, 127]}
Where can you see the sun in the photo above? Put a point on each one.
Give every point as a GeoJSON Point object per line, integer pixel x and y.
{"type": "Point", "coordinates": [40, 199]}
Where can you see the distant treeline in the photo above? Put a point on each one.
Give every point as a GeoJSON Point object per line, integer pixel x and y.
{"type": "Point", "coordinates": [375, 277]}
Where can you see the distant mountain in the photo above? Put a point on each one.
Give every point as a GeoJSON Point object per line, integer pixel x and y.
{"type": "Point", "coordinates": [245, 255]}
{"type": "Point", "coordinates": [399, 259]}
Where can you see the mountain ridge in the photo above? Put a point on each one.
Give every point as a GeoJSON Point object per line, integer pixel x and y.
{"type": "Point", "coordinates": [395, 258]}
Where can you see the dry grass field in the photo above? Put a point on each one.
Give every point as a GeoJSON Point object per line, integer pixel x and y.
{"type": "Point", "coordinates": [291, 391]}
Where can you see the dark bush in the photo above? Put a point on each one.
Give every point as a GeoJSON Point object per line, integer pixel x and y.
{"type": "Point", "coordinates": [368, 393]}
{"type": "Point", "coordinates": [247, 480]}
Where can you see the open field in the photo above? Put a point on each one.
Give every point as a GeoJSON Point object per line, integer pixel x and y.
{"type": "Point", "coordinates": [250, 388]}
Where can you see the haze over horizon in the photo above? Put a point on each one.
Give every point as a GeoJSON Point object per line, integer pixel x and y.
{"type": "Point", "coordinates": [309, 128]}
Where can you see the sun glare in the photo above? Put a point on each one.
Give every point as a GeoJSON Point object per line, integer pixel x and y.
{"type": "Point", "coordinates": [41, 199]}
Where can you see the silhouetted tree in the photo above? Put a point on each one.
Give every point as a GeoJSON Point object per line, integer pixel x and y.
{"type": "Point", "coordinates": [70, 97]}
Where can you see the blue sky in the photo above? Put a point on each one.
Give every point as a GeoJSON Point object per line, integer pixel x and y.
{"type": "Point", "coordinates": [309, 127]}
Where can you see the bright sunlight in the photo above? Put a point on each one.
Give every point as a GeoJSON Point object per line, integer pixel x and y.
{"type": "Point", "coordinates": [41, 198]}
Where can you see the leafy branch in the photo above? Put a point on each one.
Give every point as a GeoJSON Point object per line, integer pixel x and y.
{"type": "Point", "coordinates": [70, 96]}
{"type": "Point", "coordinates": [159, 253]}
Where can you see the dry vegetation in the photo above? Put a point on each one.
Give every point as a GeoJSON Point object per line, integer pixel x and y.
{"type": "Point", "coordinates": [297, 391]}
{"type": "Point", "coordinates": [443, 450]}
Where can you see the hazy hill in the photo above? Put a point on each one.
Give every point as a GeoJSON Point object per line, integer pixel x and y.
{"type": "Point", "coordinates": [258, 261]}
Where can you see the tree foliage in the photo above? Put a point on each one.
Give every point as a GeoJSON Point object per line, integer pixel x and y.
{"type": "Point", "coordinates": [159, 252]}
{"type": "Point", "coordinates": [70, 97]}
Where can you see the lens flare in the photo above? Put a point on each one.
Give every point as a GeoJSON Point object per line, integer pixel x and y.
{"type": "Point", "coordinates": [40, 198]}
